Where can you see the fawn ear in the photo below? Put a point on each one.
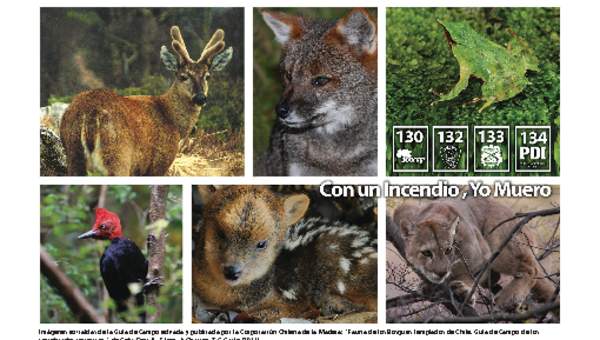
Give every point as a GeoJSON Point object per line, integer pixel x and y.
{"type": "Point", "coordinates": [358, 30]}
{"type": "Point", "coordinates": [286, 27]}
{"type": "Point", "coordinates": [294, 208]}
{"type": "Point", "coordinates": [168, 59]}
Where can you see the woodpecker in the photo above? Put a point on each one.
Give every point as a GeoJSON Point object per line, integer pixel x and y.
{"type": "Point", "coordinates": [122, 262]}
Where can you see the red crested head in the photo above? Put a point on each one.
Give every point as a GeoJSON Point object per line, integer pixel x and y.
{"type": "Point", "coordinates": [106, 227]}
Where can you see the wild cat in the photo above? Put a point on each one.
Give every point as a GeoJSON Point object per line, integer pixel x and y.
{"type": "Point", "coordinates": [327, 115]}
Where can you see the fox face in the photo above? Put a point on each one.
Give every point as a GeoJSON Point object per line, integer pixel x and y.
{"type": "Point", "coordinates": [328, 69]}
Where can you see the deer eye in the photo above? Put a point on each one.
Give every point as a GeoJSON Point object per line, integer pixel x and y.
{"type": "Point", "coordinates": [261, 245]}
{"type": "Point", "coordinates": [427, 253]}
{"type": "Point", "coordinates": [320, 81]}
{"type": "Point", "coordinates": [448, 251]}
{"type": "Point", "coordinates": [183, 77]}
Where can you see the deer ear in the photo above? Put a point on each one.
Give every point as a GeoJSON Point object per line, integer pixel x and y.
{"type": "Point", "coordinates": [286, 27]}
{"type": "Point", "coordinates": [294, 208]}
{"type": "Point", "coordinates": [359, 30]}
{"type": "Point", "coordinates": [168, 59]}
{"type": "Point", "coordinates": [221, 60]}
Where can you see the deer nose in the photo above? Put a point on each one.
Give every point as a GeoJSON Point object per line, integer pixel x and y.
{"type": "Point", "coordinates": [282, 109]}
{"type": "Point", "coordinates": [232, 273]}
{"type": "Point", "coordinates": [199, 99]}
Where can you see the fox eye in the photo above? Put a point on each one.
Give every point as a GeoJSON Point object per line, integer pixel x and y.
{"type": "Point", "coordinates": [427, 253]}
{"type": "Point", "coordinates": [261, 245]}
{"type": "Point", "coordinates": [320, 81]}
{"type": "Point", "coordinates": [448, 251]}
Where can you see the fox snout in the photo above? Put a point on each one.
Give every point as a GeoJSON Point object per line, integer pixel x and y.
{"type": "Point", "coordinates": [283, 109]}
{"type": "Point", "coordinates": [298, 114]}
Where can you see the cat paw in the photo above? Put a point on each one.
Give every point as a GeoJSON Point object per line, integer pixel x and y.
{"type": "Point", "coordinates": [461, 290]}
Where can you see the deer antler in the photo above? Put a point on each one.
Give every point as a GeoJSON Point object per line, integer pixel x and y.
{"type": "Point", "coordinates": [179, 45]}
{"type": "Point", "coordinates": [214, 45]}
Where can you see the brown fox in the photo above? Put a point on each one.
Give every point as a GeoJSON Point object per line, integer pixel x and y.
{"type": "Point", "coordinates": [327, 114]}
{"type": "Point", "coordinates": [255, 254]}
{"type": "Point", "coordinates": [107, 134]}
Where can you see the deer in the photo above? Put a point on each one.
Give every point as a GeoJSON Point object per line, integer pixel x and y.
{"type": "Point", "coordinates": [111, 135]}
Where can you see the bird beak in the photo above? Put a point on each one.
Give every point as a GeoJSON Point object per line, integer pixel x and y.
{"type": "Point", "coordinates": [88, 234]}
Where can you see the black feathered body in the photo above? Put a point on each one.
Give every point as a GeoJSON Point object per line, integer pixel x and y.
{"type": "Point", "coordinates": [121, 264]}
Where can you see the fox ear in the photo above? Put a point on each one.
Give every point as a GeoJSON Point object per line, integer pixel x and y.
{"type": "Point", "coordinates": [294, 208]}
{"type": "Point", "coordinates": [359, 30]}
{"type": "Point", "coordinates": [286, 27]}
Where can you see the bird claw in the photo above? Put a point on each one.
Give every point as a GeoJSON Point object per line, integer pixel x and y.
{"type": "Point", "coordinates": [153, 283]}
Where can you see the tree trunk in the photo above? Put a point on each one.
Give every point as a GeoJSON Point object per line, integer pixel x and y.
{"type": "Point", "coordinates": [102, 292]}
{"type": "Point", "coordinates": [156, 246]}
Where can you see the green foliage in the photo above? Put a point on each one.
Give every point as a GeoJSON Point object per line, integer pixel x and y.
{"type": "Point", "coordinates": [225, 108]}
{"type": "Point", "coordinates": [420, 66]}
{"type": "Point", "coordinates": [150, 85]}
{"type": "Point", "coordinates": [67, 211]}
{"type": "Point", "coordinates": [86, 18]}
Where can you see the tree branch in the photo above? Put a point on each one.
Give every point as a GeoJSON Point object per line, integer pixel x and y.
{"type": "Point", "coordinates": [79, 305]}
{"type": "Point", "coordinates": [508, 317]}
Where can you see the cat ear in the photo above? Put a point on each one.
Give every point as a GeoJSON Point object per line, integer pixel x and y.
{"type": "Point", "coordinates": [286, 27]}
{"type": "Point", "coordinates": [403, 218]}
{"type": "Point", "coordinates": [454, 226]}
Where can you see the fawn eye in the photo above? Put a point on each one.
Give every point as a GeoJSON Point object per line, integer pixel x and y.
{"type": "Point", "coordinates": [448, 251]}
{"type": "Point", "coordinates": [320, 81]}
{"type": "Point", "coordinates": [261, 245]}
{"type": "Point", "coordinates": [427, 253]}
